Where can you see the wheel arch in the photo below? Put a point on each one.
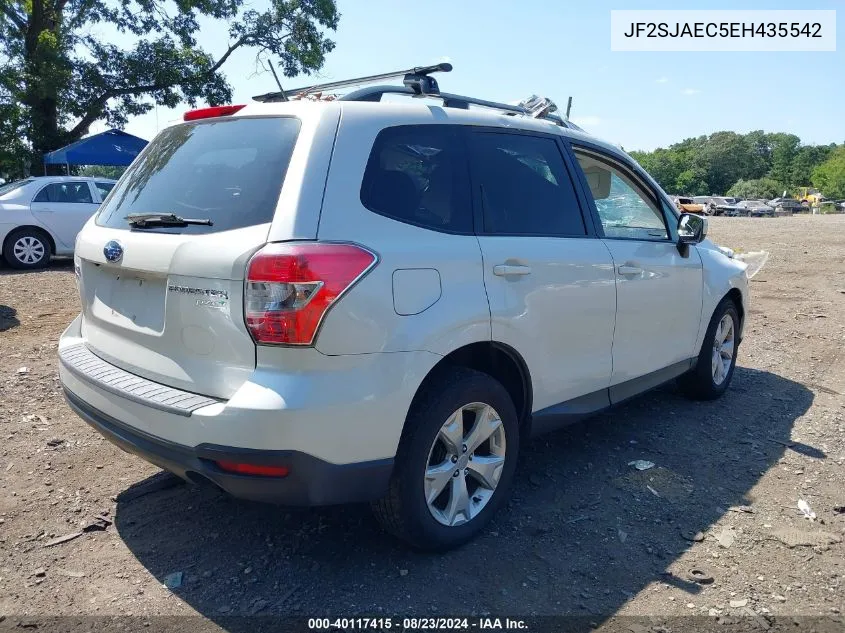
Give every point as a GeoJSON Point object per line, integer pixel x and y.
{"type": "Point", "coordinates": [499, 361]}
{"type": "Point", "coordinates": [31, 227]}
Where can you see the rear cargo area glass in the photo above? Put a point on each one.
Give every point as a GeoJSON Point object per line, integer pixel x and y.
{"type": "Point", "coordinates": [229, 171]}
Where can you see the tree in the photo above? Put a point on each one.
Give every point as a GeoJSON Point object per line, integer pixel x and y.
{"type": "Point", "coordinates": [692, 182]}
{"type": "Point", "coordinates": [760, 188]}
{"type": "Point", "coordinates": [57, 77]}
{"type": "Point", "coordinates": [806, 160]}
{"type": "Point", "coordinates": [829, 177]}
{"type": "Point", "coordinates": [784, 148]}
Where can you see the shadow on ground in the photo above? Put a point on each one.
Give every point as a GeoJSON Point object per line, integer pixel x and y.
{"type": "Point", "coordinates": [556, 548]}
{"type": "Point", "coordinates": [56, 263]}
{"type": "Point", "coordinates": [8, 318]}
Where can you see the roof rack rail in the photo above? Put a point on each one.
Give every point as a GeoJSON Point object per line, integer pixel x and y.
{"type": "Point", "coordinates": [417, 83]}
{"type": "Point", "coordinates": [375, 93]}
{"type": "Point", "coordinates": [416, 79]}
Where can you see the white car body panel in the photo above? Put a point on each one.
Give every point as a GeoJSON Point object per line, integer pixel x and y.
{"type": "Point", "coordinates": [560, 317]}
{"type": "Point", "coordinates": [314, 406]}
{"type": "Point", "coordinates": [658, 310]}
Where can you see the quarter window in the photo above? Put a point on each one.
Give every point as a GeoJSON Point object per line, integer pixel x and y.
{"type": "Point", "coordinates": [65, 192]}
{"type": "Point", "coordinates": [624, 207]}
{"type": "Point", "coordinates": [524, 185]}
{"type": "Point", "coordinates": [418, 174]}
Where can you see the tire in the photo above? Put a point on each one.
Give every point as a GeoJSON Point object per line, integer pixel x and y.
{"type": "Point", "coordinates": [405, 511]}
{"type": "Point", "coordinates": [27, 249]}
{"type": "Point", "coordinates": [707, 381]}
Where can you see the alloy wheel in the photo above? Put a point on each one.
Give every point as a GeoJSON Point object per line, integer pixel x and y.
{"type": "Point", "coordinates": [465, 464]}
{"type": "Point", "coordinates": [724, 347]}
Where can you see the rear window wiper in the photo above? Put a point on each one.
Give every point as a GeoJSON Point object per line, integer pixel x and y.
{"type": "Point", "coordinates": [143, 220]}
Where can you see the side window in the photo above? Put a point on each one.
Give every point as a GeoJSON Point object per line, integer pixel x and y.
{"type": "Point", "coordinates": [418, 174]}
{"type": "Point", "coordinates": [104, 188]}
{"type": "Point", "coordinates": [625, 209]}
{"type": "Point", "coordinates": [65, 192]}
{"type": "Point", "coordinates": [524, 185]}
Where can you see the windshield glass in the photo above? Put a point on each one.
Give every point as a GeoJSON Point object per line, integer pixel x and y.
{"type": "Point", "coordinates": [229, 171]}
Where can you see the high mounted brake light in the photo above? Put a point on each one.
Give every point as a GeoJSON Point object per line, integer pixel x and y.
{"type": "Point", "coordinates": [291, 286]}
{"type": "Point", "coordinates": [210, 113]}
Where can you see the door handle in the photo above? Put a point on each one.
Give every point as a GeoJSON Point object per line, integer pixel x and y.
{"type": "Point", "coordinates": [628, 269]}
{"type": "Point", "coordinates": [44, 210]}
{"type": "Point", "coordinates": [503, 270]}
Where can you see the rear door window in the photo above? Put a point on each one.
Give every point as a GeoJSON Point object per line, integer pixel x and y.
{"type": "Point", "coordinates": [65, 192]}
{"type": "Point", "coordinates": [524, 185]}
{"type": "Point", "coordinates": [418, 174]}
{"type": "Point", "coordinates": [229, 171]}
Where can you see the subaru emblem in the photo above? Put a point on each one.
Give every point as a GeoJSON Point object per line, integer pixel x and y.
{"type": "Point", "coordinates": [113, 251]}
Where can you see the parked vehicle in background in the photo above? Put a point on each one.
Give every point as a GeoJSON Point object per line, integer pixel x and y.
{"type": "Point", "coordinates": [787, 204]}
{"type": "Point", "coordinates": [756, 209]}
{"type": "Point", "coordinates": [41, 216]}
{"type": "Point", "coordinates": [327, 302]}
{"type": "Point", "coordinates": [688, 205]}
{"type": "Point", "coordinates": [810, 197]}
{"type": "Point", "coordinates": [724, 204]}
{"type": "Point", "coordinates": [707, 203]}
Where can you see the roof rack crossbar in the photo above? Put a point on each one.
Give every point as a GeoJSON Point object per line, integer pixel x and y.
{"type": "Point", "coordinates": [416, 77]}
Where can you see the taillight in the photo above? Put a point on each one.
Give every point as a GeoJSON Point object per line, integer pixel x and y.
{"type": "Point", "coordinates": [212, 112]}
{"type": "Point", "coordinates": [290, 286]}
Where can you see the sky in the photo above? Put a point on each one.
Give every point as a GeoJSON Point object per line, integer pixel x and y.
{"type": "Point", "coordinates": [505, 50]}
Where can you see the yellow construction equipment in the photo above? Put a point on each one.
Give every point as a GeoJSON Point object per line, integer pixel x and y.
{"type": "Point", "coordinates": [809, 196]}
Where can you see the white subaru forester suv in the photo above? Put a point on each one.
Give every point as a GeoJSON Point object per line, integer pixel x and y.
{"type": "Point", "coordinates": [327, 302]}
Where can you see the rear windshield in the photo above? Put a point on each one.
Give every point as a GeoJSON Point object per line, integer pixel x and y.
{"type": "Point", "coordinates": [229, 171]}
{"type": "Point", "coordinates": [12, 186]}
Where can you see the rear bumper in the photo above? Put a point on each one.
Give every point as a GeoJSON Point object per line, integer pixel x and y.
{"type": "Point", "coordinates": [311, 481]}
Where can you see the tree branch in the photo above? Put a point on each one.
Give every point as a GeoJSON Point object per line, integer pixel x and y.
{"type": "Point", "coordinates": [225, 56]}
{"type": "Point", "coordinates": [15, 19]}
{"type": "Point", "coordinates": [95, 109]}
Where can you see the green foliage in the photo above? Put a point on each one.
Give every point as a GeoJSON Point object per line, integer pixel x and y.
{"type": "Point", "coordinates": [718, 163]}
{"type": "Point", "coordinates": [58, 76]}
{"type": "Point", "coordinates": [101, 171]}
{"type": "Point", "coordinates": [692, 182]}
{"type": "Point", "coordinates": [757, 189]}
{"type": "Point", "coordinates": [829, 177]}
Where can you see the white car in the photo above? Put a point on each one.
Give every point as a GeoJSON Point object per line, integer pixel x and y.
{"type": "Point", "coordinates": [41, 216]}
{"type": "Point", "coordinates": [327, 302]}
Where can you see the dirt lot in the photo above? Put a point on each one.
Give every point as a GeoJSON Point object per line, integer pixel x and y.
{"type": "Point", "coordinates": [584, 534]}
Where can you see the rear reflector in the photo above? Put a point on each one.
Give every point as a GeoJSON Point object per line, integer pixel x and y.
{"type": "Point", "coordinates": [210, 113]}
{"type": "Point", "coordinates": [254, 469]}
{"type": "Point", "coordinates": [290, 286]}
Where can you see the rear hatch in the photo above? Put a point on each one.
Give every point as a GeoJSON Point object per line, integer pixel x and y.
{"type": "Point", "coordinates": [164, 300]}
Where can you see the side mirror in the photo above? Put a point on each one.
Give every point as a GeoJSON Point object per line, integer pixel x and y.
{"type": "Point", "coordinates": [692, 229]}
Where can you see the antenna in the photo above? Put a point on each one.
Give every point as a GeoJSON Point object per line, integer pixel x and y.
{"type": "Point", "coordinates": [568, 107]}
{"type": "Point", "coordinates": [282, 95]}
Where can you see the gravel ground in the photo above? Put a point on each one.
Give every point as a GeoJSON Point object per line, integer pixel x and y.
{"type": "Point", "coordinates": [584, 534]}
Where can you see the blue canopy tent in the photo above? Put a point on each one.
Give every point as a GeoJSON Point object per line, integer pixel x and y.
{"type": "Point", "coordinates": [111, 147]}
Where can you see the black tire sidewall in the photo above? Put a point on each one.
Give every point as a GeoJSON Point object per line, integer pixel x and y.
{"type": "Point", "coordinates": [9, 250]}
{"type": "Point", "coordinates": [453, 390]}
{"type": "Point", "coordinates": [705, 360]}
